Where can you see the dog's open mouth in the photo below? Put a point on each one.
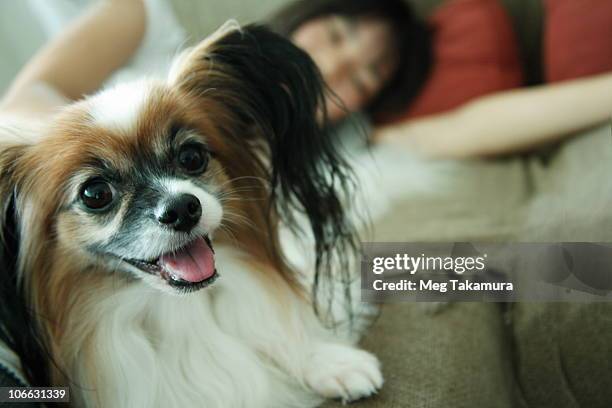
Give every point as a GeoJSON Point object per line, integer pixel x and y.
{"type": "Point", "coordinates": [189, 268]}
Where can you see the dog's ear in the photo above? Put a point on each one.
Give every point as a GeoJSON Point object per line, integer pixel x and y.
{"type": "Point", "coordinates": [16, 139]}
{"type": "Point", "coordinates": [18, 327]}
{"type": "Point", "coordinates": [11, 150]}
{"type": "Point", "coordinates": [9, 156]}
{"type": "Point", "coordinates": [275, 89]}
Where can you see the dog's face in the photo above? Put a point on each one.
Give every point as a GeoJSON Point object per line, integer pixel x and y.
{"type": "Point", "coordinates": [144, 190]}
{"type": "Point", "coordinates": [138, 183]}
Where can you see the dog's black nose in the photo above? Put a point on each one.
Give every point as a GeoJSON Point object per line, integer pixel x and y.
{"type": "Point", "coordinates": [181, 213]}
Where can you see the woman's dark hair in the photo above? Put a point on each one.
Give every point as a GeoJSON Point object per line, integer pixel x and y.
{"type": "Point", "coordinates": [412, 36]}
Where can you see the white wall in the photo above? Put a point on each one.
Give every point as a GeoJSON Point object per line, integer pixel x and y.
{"type": "Point", "coordinates": [27, 24]}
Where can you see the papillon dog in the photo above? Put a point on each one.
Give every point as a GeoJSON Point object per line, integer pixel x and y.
{"type": "Point", "coordinates": [141, 261]}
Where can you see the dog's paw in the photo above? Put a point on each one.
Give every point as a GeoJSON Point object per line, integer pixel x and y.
{"type": "Point", "coordinates": [338, 371]}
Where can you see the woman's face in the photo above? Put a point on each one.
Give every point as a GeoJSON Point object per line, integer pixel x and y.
{"type": "Point", "coordinates": [356, 57]}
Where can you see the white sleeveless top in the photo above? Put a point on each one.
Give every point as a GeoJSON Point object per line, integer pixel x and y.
{"type": "Point", "coordinates": [163, 40]}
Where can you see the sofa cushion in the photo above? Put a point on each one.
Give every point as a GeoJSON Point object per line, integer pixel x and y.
{"type": "Point", "coordinates": [577, 38]}
{"type": "Point", "coordinates": [457, 357]}
{"type": "Point", "coordinates": [562, 353]}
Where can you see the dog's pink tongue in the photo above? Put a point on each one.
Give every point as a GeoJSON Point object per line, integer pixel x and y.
{"type": "Point", "coordinates": [193, 263]}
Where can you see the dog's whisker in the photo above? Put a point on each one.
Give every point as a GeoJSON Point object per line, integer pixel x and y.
{"type": "Point", "coordinates": [227, 230]}
{"type": "Point", "coordinates": [239, 219]}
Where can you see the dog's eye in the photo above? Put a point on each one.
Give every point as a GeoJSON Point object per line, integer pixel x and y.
{"type": "Point", "coordinates": [193, 158]}
{"type": "Point", "coordinates": [97, 194]}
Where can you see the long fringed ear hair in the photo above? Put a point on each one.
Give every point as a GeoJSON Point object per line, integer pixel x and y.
{"type": "Point", "coordinates": [18, 324]}
{"type": "Point", "coordinates": [277, 89]}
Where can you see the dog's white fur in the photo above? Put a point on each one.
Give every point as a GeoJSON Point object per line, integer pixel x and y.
{"type": "Point", "coordinates": [117, 107]}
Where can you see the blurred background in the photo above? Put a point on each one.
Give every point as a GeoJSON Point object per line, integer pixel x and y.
{"type": "Point", "coordinates": [467, 354]}
{"type": "Point", "coordinates": [26, 24]}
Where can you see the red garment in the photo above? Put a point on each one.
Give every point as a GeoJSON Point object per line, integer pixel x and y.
{"type": "Point", "coordinates": [577, 38]}
{"type": "Point", "coordinates": [475, 52]}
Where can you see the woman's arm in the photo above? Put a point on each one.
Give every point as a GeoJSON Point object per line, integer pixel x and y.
{"type": "Point", "coordinates": [78, 60]}
{"type": "Point", "coordinates": [508, 122]}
